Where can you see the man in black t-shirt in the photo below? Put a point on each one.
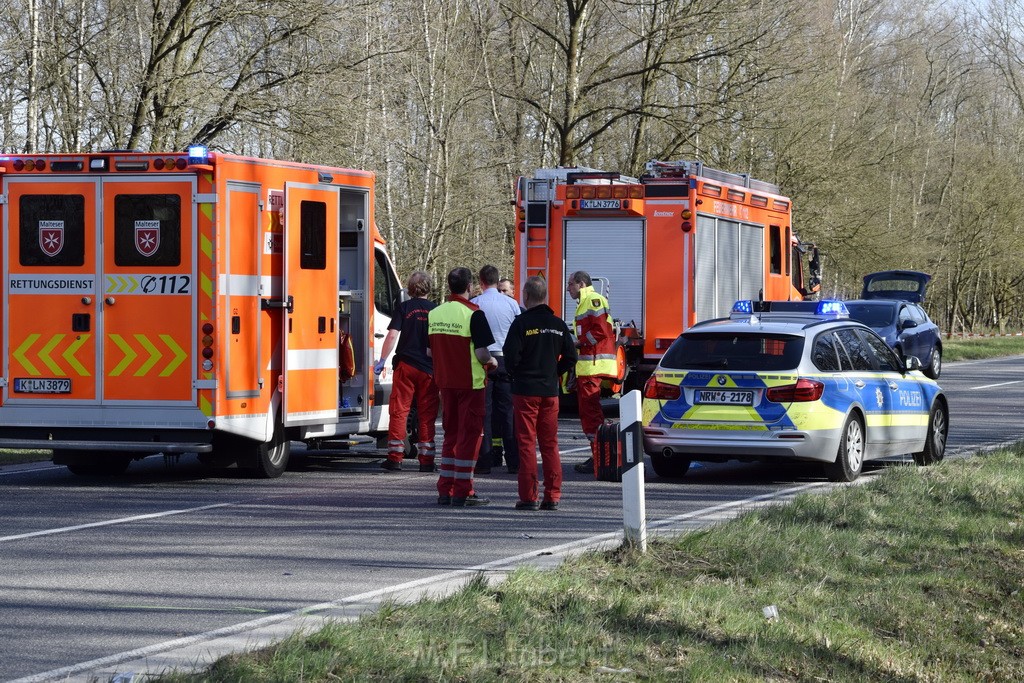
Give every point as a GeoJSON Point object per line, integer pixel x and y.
{"type": "Point", "coordinates": [413, 376]}
{"type": "Point", "coordinates": [538, 349]}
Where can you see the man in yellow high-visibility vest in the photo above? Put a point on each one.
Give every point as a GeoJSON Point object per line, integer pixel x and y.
{"type": "Point", "coordinates": [595, 340]}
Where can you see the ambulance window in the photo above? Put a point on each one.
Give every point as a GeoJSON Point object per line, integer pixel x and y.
{"type": "Point", "coordinates": [313, 236]}
{"type": "Point", "coordinates": [147, 230]}
{"type": "Point", "coordinates": [775, 239]}
{"type": "Point", "coordinates": [385, 285]}
{"type": "Point", "coordinates": [52, 230]}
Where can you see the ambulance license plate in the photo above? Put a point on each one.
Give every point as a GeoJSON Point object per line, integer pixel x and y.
{"type": "Point", "coordinates": [600, 204]}
{"type": "Point", "coordinates": [42, 386]}
{"type": "Point", "coordinates": [729, 398]}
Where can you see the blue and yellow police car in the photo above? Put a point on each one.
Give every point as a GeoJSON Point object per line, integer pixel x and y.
{"type": "Point", "coordinates": [794, 380]}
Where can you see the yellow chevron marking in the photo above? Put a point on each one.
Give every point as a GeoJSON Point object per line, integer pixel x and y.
{"type": "Point", "coordinates": [205, 406]}
{"type": "Point", "coordinates": [179, 354]}
{"type": "Point", "coordinates": [19, 353]}
{"type": "Point", "coordinates": [207, 285]}
{"type": "Point", "coordinates": [129, 354]}
{"type": "Point", "coordinates": [44, 355]}
{"type": "Point", "coordinates": [69, 355]}
{"type": "Point", "coordinates": [154, 355]}
{"type": "Point", "coordinates": [205, 243]}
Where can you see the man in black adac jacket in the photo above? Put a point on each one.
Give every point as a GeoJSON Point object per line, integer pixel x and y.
{"type": "Point", "coordinates": [538, 349]}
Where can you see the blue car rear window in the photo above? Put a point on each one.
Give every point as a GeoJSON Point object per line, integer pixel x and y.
{"type": "Point", "coordinates": [872, 315]}
{"type": "Point", "coordinates": [725, 351]}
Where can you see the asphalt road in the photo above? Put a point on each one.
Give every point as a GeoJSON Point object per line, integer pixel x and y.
{"type": "Point", "coordinates": [90, 568]}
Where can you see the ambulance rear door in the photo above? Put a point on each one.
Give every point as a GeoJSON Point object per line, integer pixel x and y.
{"type": "Point", "coordinates": [51, 275]}
{"type": "Point", "coordinates": [310, 359]}
{"type": "Point", "coordinates": [148, 279]}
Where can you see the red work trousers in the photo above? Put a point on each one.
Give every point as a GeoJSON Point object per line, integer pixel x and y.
{"type": "Point", "coordinates": [410, 383]}
{"type": "Point", "coordinates": [462, 417]}
{"type": "Point", "coordinates": [588, 398]}
{"type": "Point", "coordinates": [536, 419]}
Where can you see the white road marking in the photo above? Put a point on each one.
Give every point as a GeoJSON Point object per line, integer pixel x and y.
{"type": "Point", "coordinates": [111, 522]}
{"type": "Point", "coordinates": [1001, 384]}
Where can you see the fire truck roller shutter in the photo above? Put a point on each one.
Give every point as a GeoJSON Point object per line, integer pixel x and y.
{"type": "Point", "coordinates": [609, 249]}
{"type": "Point", "coordinates": [729, 262]}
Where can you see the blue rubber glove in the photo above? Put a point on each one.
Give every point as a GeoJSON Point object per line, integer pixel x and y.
{"type": "Point", "coordinates": [378, 367]}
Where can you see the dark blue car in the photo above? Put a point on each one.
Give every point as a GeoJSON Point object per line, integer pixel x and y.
{"type": "Point", "coordinates": [890, 305]}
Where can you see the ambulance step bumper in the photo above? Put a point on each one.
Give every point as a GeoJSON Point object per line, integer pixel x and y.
{"type": "Point", "coordinates": [114, 446]}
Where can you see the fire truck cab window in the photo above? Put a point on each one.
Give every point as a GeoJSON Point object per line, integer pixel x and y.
{"type": "Point", "coordinates": [385, 286]}
{"type": "Point", "coordinates": [775, 241]}
{"type": "Point", "coordinates": [147, 230]}
{"type": "Point", "coordinates": [52, 230]}
{"type": "Point", "coordinates": [313, 238]}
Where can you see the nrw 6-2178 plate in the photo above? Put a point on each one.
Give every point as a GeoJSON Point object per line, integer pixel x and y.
{"type": "Point", "coordinates": [724, 397]}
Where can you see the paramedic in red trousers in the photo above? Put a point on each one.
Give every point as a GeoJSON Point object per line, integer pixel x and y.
{"type": "Point", "coordinates": [458, 337]}
{"type": "Point", "coordinates": [595, 340]}
{"type": "Point", "coordinates": [500, 311]}
{"type": "Point", "coordinates": [538, 350]}
{"type": "Point", "coordinates": [412, 375]}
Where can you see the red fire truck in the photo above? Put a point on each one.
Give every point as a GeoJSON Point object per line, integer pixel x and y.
{"type": "Point", "coordinates": [188, 302]}
{"type": "Point", "coordinates": [679, 244]}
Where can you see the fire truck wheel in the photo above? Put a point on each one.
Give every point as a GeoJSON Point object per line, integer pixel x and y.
{"type": "Point", "coordinates": [669, 468]}
{"type": "Point", "coordinates": [90, 464]}
{"type": "Point", "coordinates": [271, 458]}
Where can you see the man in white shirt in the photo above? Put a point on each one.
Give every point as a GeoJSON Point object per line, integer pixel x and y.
{"type": "Point", "coordinates": [500, 310]}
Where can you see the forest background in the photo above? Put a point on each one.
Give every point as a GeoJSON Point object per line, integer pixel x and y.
{"type": "Point", "coordinates": [895, 125]}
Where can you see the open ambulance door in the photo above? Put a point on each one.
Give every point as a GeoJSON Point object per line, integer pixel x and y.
{"type": "Point", "coordinates": [310, 359]}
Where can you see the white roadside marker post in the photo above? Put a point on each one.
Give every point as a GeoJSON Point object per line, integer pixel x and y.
{"type": "Point", "coordinates": [634, 506]}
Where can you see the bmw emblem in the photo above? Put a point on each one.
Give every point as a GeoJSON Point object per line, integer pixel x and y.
{"type": "Point", "coordinates": [721, 380]}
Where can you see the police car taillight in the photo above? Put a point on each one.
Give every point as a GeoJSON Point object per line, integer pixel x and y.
{"type": "Point", "coordinates": [660, 391]}
{"type": "Point", "coordinates": [803, 390]}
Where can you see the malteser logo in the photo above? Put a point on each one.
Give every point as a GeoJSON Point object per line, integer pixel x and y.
{"type": "Point", "coordinates": [51, 237]}
{"type": "Point", "coordinates": [664, 214]}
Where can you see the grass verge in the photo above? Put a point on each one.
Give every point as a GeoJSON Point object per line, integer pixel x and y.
{"type": "Point", "coordinates": [13, 457]}
{"type": "Point", "coordinates": [976, 348]}
{"type": "Point", "coordinates": [915, 576]}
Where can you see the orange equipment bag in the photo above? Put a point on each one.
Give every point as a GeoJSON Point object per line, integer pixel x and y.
{"type": "Point", "coordinates": [608, 453]}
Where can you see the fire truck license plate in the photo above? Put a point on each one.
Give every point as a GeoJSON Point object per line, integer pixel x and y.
{"type": "Point", "coordinates": [42, 386]}
{"type": "Point", "coordinates": [738, 398]}
{"type": "Point", "coordinates": [600, 204]}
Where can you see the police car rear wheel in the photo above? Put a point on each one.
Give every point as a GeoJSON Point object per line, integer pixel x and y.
{"type": "Point", "coordinates": [935, 443]}
{"type": "Point", "coordinates": [850, 457]}
{"type": "Point", "coordinates": [669, 468]}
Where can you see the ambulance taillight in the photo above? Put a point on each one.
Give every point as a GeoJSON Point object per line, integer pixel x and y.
{"type": "Point", "coordinates": [207, 351]}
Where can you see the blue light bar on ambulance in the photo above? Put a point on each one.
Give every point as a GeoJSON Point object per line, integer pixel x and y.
{"type": "Point", "coordinates": [198, 154]}
{"type": "Point", "coordinates": [827, 308]}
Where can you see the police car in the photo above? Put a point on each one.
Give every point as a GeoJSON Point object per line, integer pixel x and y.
{"type": "Point", "coordinates": [792, 380]}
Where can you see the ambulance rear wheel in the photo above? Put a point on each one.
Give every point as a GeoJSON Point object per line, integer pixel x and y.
{"type": "Point", "coordinates": [271, 458]}
{"type": "Point", "coordinates": [90, 464]}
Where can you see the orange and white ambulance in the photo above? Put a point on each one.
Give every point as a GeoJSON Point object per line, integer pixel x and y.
{"type": "Point", "coordinates": [678, 245]}
{"type": "Point", "coordinates": [188, 302]}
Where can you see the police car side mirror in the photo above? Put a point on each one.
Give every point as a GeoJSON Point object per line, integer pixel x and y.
{"type": "Point", "coordinates": [907, 324]}
{"type": "Point", "coordinates": [911, 363]}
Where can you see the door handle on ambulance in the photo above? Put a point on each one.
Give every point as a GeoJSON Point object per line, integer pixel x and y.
{"type": "Point", "coordinates": [109, 301]}
{"type": "Point", "coordinates": [86, 300]}
{"type": "Point", "coordinates": [859, 384]}
{"type": "Point", "coordinates": [894, 386]}
{"type": "Point", "coordinates": [287, 304]}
